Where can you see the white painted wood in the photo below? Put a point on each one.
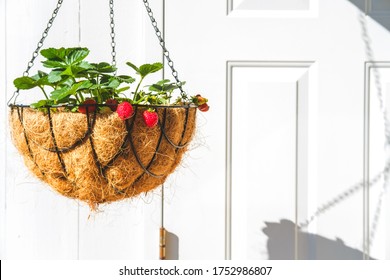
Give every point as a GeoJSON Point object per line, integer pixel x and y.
{"type": "Point", "coordinates": [212, 201]}
{"type": "Point", "coordinates": [3, 125]}
{"type": "Point", "coordinates": [379, 207]}
{"type": "Point", "coordinates": [274, 152]}
{"type": "Point", "coordinates": [272, 5]}
{"type": "Point", "coordinates": [39, 223]}
{"type": "Point", "coordinates": [118, 231]}
{"type": "Point", "coordinates": [275, 139]}
{"type": "Point", "coordinates": [152, 53]}
{"type": "Point", "coordinates": [272, 9]}
{"type": "Point", "coordinates": [332, 38]}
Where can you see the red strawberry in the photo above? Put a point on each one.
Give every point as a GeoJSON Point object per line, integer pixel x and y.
{"type": "Point", "coordinates": [204, 107]}
{"type": "Point", "coordinates": [125, 110]}
{"type": "Point", "coordinates": [150, 117]}
{"type": "Point", "coordinates": [112, 103]}
{"type": "Point", "coordinates": [87, 106]}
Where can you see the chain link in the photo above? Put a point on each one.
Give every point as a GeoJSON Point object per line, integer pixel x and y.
{"type": "Point", "coordinates": [35, 54]}
{"type": "Point", "coordinates": [165, 51]}
{"type": "Point", "coordinates": [112, 34]}
{"type": "Point", "coordinates": [44, 35]}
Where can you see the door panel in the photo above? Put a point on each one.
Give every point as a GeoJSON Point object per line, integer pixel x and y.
{"type": "Point", "coordinates": [302, 187]}
{"type": "Point", "coordinates": [267, 132]}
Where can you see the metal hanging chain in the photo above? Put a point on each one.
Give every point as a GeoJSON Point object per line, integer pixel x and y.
{"type": "Point", "coordinates": [45, 33]}
{"type": "Point", "coordinates": [112, 34]}
{"type": "Point", "coordinates": [165, 51]}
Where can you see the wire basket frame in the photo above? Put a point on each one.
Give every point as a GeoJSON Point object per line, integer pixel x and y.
{"type": "Point", "coordinates": [169, 144]}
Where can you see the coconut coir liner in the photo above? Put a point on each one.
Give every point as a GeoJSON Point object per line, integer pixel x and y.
{"type": "Point", "coordinates": [101, 166]}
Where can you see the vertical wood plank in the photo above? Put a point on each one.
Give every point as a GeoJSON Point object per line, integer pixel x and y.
{"type": "Point", "coordinates": [40, 224]}
{"type": "Point", "coordinates": [153, 53]}
{"type": "Point", "coordinates": [195, 194]}
{"type": "Point", "coordinates": [117, 231]}
{"type": "Point", "coordinates": [3, 141]}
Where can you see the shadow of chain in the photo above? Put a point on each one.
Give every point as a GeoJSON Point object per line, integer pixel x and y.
{"type": "Point", "coordinates": [346, 194]}
{"type": "Point", "coordinates": [385, 172]}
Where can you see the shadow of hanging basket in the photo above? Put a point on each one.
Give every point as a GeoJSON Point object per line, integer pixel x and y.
{"type": "Point", "coordinates": [99, 158]}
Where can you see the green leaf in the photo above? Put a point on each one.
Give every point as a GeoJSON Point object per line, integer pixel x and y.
{"type": "Point", "coordinates": [114, 83]}
{"type": "Point", "coordinates": [147, 69]}
{"type": "Point", "coordinates": [94, 86]}
{"type": "Point", "coordinates": [165, 86]}
{"type": "Point", "coordinates": [155, 87]}
{"type": "Point", "coordinates": [53, 64]}
{"type": "Point", "coordinates": [136, 69]}
{"type": "Point", "coordinates": [119, 90]}
{"type": "Point", "coordinates": [104, 67]}
{"type": "Point", "coordinates": [163, 82]}
{"type": "Point", "coordinates": [39, 75]}
{"type": "Point", "coordinates": [169, 87]}
{"type": "Point", "coordinates": [41, 103]}
{"type": "Point", "coordinates": [25, 83]}
{"type": "Point", "coordinates": [61, 58]}
{"type": "Point", "coordinates": [75, 55]}
{"type": "Point", "coordinates": [78, 71]}
{"type": "Point", "coordinates": [105, 94]}
{"type": "Point", "coordinates": [54, 54]}
{"type": "Point", "coordinates": [83, 85]}
{"type": "Point", "coordinates": [60, 94]}
{"type": "Point", "coordinates": [85, 65]}
{"type": "Point", "coordinates": [67, 72]}
{"type": "Point", "coordinates": [54, 77]}
{"type": "Point", "coordinates": [44, 81]}
{"type": "Point", "coordinates": [125, 79]}
{"type": "Point", "coordinates": [67, 82]}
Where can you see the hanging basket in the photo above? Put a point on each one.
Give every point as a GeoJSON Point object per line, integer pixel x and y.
{"type": "Point", "coordinates": [99, 158]}
{"type": "Point", "coordinates": [88, 139]}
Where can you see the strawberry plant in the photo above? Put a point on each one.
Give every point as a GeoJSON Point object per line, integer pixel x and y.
{"type": "Point", "coordinates": [105, 155]}
{"type": "Point", "coordinates": [84, 86]}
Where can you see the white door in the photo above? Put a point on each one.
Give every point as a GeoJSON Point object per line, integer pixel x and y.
{"type": "Point", "coordinates": [288, 163]}
{"type": "Point", "coordinates": [294, 129]}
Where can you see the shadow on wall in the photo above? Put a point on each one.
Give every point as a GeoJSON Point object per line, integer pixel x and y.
{"type": "Point", "coordinates": [281, 244]}
{"type": "Point", "coordinates": [379, 10]}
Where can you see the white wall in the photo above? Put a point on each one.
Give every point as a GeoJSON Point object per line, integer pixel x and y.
{"type": "Point", "coordinates": [221, 48]}
{"type": "Point", "coordinates": [3, 128]}
{"type": "Point", "coordinates": [35, 222]}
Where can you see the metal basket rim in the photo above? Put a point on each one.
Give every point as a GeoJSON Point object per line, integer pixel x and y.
{"type": "Point", "coordinates": [185, 106]}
